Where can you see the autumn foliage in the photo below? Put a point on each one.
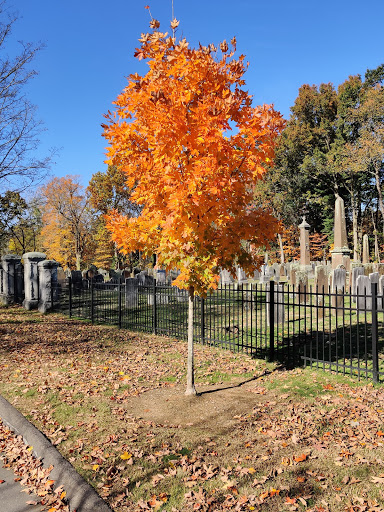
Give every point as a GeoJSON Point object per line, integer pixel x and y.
{"type": "Point", "coordinates": [192, 147]}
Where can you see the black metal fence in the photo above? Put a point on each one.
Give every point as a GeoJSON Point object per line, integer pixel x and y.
{"type": "Point", "coordinates": [338, 331]}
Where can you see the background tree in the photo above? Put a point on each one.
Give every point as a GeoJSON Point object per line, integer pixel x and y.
{"type": "Point", "coordinates": [332, 145]}
{"type": "Point", "coordinates": [107, 191]}
{"type": "Point", "coordinates": [66, 234]}
{"type": "Point", "coordinates": [192, 147]}
{"type": "Point", "coordinates": [19, 129]}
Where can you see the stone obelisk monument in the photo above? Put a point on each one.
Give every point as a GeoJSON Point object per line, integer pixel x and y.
{"type": "Point", "coordinates": [305, 257]}
{"type": "Point", "coordinates": [341, 255]}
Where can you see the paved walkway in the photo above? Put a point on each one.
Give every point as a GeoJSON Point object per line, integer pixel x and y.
{"type": "Point", "coordinates": [80, 495]}
{"type": "Point", "coordinates": [11, 497]}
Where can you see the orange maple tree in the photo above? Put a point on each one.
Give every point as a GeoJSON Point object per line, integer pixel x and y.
{"type": "Point", "coordinates": [192, 147]}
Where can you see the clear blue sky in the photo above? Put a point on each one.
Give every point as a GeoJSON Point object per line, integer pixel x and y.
{"type": "Point", "coordinates": [90, 45]}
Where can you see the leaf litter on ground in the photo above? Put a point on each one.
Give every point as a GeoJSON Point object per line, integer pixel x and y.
{"type": "Point", "coordinates": [264, 442]}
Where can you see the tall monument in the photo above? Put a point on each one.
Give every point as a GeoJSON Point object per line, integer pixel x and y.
{"type": "Point", "coordinates": [341, 255]}
{"type": "Point", "coordinates": [305, 257]}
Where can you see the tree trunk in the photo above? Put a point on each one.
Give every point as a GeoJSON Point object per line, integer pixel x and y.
{"type": "Point", "coordinates": [355, 229]}
{"type": "Point", "coordinates": [78, 261]}
{"type": "Point", "coordinates": [379, 193]}
{"type": "Point", "coordinates": [377, 253]}
{"type": "Point", "coordinates": [191, 390]}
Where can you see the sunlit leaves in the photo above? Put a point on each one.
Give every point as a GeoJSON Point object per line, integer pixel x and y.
{"type": "Point", "coordinates": [187, 137]}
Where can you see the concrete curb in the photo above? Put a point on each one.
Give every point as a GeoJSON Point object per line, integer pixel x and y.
{"type": "Point", "coordinates": [80, 495]}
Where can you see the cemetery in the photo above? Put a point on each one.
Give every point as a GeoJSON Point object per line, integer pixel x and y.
{"type": "Point", "coordinates": [328, 314]}
{"type": "Point", "coordinates": [194, 319]}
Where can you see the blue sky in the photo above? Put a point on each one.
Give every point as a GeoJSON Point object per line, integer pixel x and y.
{"type": "Point", "coordinates": [90, 45]}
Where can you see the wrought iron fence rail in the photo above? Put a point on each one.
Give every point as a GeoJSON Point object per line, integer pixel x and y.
{"type": "Point", "coordinates": [333, 330]}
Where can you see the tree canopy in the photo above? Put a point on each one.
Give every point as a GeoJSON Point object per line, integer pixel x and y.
{"type": "Point", "coordinates": [192, 147]}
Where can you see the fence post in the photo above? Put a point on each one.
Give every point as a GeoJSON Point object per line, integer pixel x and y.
{"type": "Point", "coordinates": [119, 301]}
{"type": "Point", "coordinates": [202, 321]}
{"type": "Point", "coordinates": [375, 354]}
{"type": "Point", "coordinates": [271, 320]}
{"type": "Point", "coordinates": [154, 308]}
{"type": "Point", "coordinates": [70, 295]}
{"type": "Point", "coordinates": [92, 301]}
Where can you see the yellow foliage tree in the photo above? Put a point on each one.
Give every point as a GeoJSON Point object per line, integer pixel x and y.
{"type": "Point", "coordinates": [66, 233]}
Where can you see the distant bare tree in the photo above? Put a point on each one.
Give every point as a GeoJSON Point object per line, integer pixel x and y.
{"type": "Point", "coordinates": [19, 129]}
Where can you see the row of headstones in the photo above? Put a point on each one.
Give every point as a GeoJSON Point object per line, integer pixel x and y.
{"type": "Point", "coordinates": [269, 272]}
{"type": "Point", "coordinates": [132, 286]}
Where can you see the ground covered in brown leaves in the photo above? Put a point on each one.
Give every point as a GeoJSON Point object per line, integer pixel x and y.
{"type": "Point", "coordinates": [256, 438]}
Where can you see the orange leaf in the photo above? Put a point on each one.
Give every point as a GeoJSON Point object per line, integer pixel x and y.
{"type": "Point", "coordinates": [300, 458]}
{"type": "Point", "coordinates": [49, 483]}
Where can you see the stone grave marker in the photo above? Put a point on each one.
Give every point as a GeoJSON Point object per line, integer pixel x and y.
{"type": "Point", "coordinates": [364, 293]}
{"type": "Point", "coordinates": [278, 303]}
{"type": "Point", "coordinates": [302, 286]}
{"type": "Point", "coordinates": [131, 293]}
{"type": "Point", "coordinates": [356, 272]}
{"type": "Point", "coordinates": [338, 289]}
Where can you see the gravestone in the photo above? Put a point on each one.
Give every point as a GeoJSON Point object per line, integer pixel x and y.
{"type": "Point", "coordinates": [321, 287]}
{"type": "Point", "coordinates": [131, 293]}
{"type": "Point", "coordinates": [338, 288]}
{"type": "Point", "coordinates": [104, 273]}
{"type": "Point", "coordinates": [364, 294]}
{"type": "Point", "coordinates": [302, 286]}
{"type": "Point", "coordinates": [278, 303]}
{"type": "Point", "coordinates": [265, 275]}
{"type": "Point", "coordinates": [365, 249]}
{"type": "Point", "coordinates": [292, 276]}
{"type": "Point", "coordinates": [144, 279]}
{"type": "Point", "coordinates": [31, 279]}
{"type": "Point", "coordinates": [226, 277]}
{"type": "Point", "coordinates": [160, 276]}
{"type": "Point", "coordinates": [241, 276]}
{"type": "Point", "coordinates": [341, 253]}
{"type": "Point", "coordinates": [356, 272]}
{"type": "Point", "coordinates": [256, 274]}
{"type": "Point", "coordinates": [276, 272]}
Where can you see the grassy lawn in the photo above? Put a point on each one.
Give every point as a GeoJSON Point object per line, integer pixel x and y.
{"type": "Point", "coordinates": [257, 438]}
